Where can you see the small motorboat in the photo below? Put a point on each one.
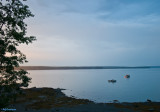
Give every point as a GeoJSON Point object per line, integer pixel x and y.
{"type": "Point", "coordinates": [127, 76]}
{"type": "Point", "coordinates": [112, 81]}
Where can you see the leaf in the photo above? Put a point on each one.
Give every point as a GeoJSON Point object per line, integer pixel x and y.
{"type": "Point", "coordinates": [13, 31]}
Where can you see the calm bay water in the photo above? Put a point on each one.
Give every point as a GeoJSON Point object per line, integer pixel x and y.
{"type": "Point", "coordinates": [93, 84]}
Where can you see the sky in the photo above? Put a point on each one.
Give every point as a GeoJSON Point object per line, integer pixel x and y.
{"type": "Point", "coordinates": [94, 33]}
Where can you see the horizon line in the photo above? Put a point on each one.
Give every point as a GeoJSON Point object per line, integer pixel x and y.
{"type": "Point", "coordinates": [82, 67]}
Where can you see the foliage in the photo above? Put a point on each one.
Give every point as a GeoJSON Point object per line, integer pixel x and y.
{"type": "Point", "coordinates": [13, 31]}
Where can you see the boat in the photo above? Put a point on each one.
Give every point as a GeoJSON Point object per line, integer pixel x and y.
{"type": "Point", "coordinates": [112, 81]}
{"type": "Point", "coordinates": [127, 76]}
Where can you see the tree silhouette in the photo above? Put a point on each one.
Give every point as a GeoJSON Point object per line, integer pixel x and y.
{"type": "Point", "coordinates": [12, 34]}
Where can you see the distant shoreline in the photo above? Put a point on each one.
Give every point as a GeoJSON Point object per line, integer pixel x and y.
{"type": "Point", "coordinates": [82, 67]}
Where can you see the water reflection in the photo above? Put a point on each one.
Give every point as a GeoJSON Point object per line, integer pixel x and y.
{"type": "Point", "coordinates": [94, 84]}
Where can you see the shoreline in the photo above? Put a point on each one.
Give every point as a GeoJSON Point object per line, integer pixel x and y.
{"type": "Point", "coordinates": [80, 67]}
{"type": "Point", "coordinates": [54, 100]}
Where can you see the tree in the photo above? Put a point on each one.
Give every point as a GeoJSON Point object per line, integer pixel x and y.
{"type": "Point", "coordinates": [12, 33]}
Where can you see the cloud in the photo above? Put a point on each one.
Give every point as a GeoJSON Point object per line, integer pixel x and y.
{"type": "Point", "coordinates": [94, 32]}
{"type": "Point", "coordinates": [108, 10]}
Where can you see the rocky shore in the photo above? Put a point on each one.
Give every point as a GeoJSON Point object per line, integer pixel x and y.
{"type": "Point", "coordinates": [54, 100]}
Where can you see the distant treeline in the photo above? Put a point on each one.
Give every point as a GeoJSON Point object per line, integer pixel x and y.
{"type": "Point", "coordinates": [81, 67]}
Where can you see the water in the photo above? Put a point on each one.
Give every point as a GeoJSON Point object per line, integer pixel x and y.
{"type": "Point", "coordinates": [143, 84]}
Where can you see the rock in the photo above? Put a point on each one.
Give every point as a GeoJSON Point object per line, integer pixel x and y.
{"type": "Point", "coordinates": [43, 97]}
{"type": "Point", "coordinates": [151, 110]}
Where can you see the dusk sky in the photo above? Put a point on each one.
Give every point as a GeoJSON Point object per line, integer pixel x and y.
{"type": "Point", "coordinates": [94, 33]}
